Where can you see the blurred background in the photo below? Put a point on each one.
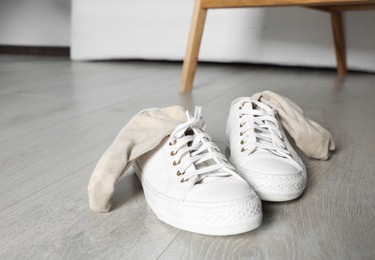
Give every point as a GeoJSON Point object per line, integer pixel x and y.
{"type": "Point", "coordinates": [158, 30]}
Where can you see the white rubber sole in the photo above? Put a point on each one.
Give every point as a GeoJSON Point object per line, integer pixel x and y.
{"type": "Point", "coordinates": [275, 197]}
{"type": "Point", "coordinates": [276, 188]}
{"type": "Point", "coordinates": [219, 219]}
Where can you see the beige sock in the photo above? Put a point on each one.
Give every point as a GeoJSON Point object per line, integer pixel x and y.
{"type": "Point", "coordinates": [314, 140]}
{"type": "Point", "coordinates": [141, 134]}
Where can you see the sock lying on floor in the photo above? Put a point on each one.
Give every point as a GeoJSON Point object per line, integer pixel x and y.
{"type": "Point", "coordinates": [314, 140]}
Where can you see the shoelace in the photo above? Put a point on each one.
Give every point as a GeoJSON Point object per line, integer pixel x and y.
{"type": "Point", "coordinates": [192, 147]}
{"type": "Point", "coordinates": [260, 129]}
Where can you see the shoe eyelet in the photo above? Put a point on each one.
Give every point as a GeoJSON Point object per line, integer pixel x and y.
{"type": "Point", "coordinates": [183, 180]}
{"type": "Point", "coordinates": [180, 173]}
{"type": "Point", "coordinates": [173, 143]}
{"type": "Point", "coordinates": [241, 125]}
{"type": "Point", "coordinates": [243, 149]}
{"type": "Point", "coordinates": [176, 163]}
{"type": "Point", "coordinates": [241, 134]}
{"type": "Point", "coordinates": [242, 142]}
{"type": "Point", "coordinates": [240, 116]}
{"type": "Point", "coordinates": [173, 153]}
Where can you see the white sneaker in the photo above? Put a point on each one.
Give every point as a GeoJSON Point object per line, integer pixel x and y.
{"type": "Point", "coordinates": [261, 152]}
{"type": "Point", "coordinates": [190, 185]}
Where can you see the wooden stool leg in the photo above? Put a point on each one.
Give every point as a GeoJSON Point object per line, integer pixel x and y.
{"type": "Point", "coordinates": [338, 37]}
{"type": "Point", "coordinates": [192, 51]}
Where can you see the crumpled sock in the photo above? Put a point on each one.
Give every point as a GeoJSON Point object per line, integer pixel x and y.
{"type": "Point", "coordinates": [141, 134]}
{"type": "Point", "coordinates": [314, 140]}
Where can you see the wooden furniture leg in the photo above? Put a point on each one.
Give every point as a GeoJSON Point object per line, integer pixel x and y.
{"type": "Point", "coordinates": [334, 7]}
{"type": "Point", "coordinates": [339, 41]}
{"type": "Point", "coordinates": [191, 56]}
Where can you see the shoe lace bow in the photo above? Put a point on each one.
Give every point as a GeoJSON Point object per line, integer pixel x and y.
{"type": "Point", "coordinates": [195, 153]}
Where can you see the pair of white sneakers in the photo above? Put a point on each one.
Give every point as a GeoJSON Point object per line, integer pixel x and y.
{"type": "Point", "coordinates": [190, 185]}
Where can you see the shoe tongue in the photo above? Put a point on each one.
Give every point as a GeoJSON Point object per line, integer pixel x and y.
{"type": "Point", "coordinates": [262, 151]}
{"type": "Point", "coordinates": [268, 131]}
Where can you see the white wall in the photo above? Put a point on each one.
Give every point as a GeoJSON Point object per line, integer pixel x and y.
{"type": "Point", "coordinates": [158, 30]}
{"type": "Point", "coordinates": [35, 22]}
{"type": "Point", "coordinates": [153, 29]}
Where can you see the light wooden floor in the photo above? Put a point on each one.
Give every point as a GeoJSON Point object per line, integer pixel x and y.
{"type": "Point", "coordinates": [58, 117]}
